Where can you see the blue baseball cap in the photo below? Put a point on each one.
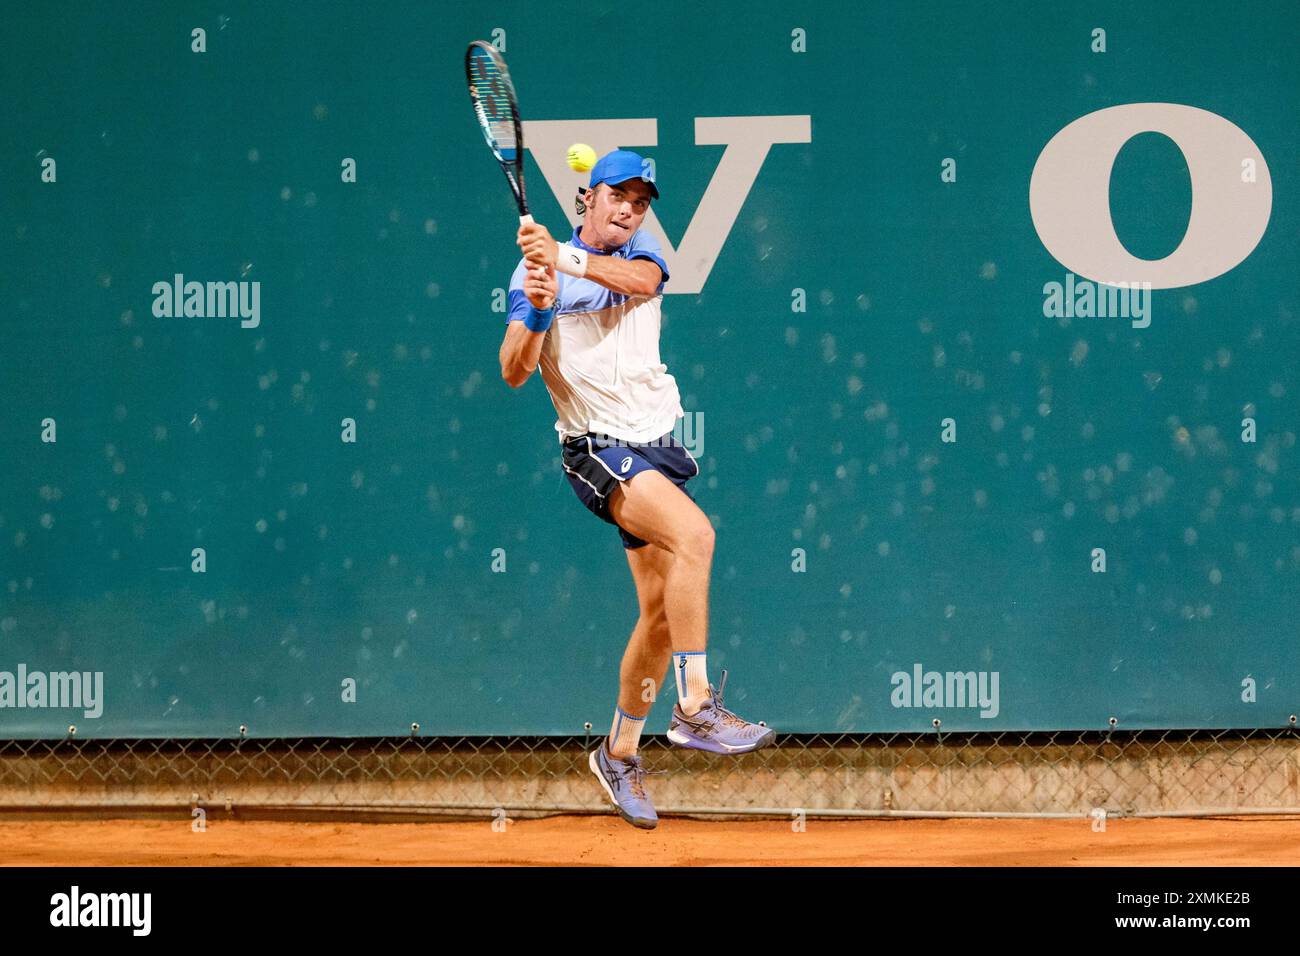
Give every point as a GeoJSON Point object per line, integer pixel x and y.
{"type": "Point", "coordinates": [622, 165]}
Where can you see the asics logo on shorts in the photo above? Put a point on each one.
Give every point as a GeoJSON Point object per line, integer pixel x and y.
{"type": "Point", "coordinates": [627, 463]}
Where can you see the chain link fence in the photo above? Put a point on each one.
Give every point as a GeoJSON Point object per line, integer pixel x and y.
{"type": "Point", "coordinates": [1068, 774]}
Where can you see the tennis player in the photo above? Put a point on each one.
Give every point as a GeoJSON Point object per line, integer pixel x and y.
{"type": "Point", "coordinates": [587, 313]}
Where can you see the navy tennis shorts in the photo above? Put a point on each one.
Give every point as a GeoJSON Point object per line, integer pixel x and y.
{"type": "Point", "coordinates": [595, 464]}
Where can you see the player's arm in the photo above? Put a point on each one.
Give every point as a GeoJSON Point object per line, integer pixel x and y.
{"type": "Point", "coordinates": [522, 346]}
{"type": "Point", "coordinates": [628, 276]}
{"type": "Point", "coordinates": [520, 351]}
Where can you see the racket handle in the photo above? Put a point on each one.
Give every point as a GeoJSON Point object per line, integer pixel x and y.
{"type": "Point", "coordinates": [525, 220]}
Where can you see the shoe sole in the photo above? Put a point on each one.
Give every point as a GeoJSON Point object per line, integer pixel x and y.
{"type": "Point", "coordinates": [686, 740]}
{"type": "Point", "coordinates": [639, 823]}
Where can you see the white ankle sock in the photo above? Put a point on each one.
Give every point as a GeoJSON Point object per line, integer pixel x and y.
{"type": "Point", "coordinates": [692, 680]}
{"type": "Point", "coordinates": [625, 735]}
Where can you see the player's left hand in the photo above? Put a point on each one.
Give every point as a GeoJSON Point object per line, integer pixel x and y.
{"type": "Point", "coordinates": [537, 245]}
{"type": "Point", "coordinates": [541, 287]}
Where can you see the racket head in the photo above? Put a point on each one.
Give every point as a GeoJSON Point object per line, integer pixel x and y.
{"type": "Point", "coordinates": [497, 109]}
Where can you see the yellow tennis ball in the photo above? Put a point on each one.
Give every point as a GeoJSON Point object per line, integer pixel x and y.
{"type": "Point", "coordinates": [581, 157]}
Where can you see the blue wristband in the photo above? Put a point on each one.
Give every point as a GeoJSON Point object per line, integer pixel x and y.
{"type": "Point", "coordinates": [539, 320]}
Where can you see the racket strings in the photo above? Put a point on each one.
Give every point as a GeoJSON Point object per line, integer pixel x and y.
{"type": "Point", "coordinates": [493, 101]}
{"type": "Point", "coordinates": [496, 109]}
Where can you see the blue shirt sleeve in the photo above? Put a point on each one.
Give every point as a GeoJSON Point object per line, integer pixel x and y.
{"type": "Point", "coordinates": [645, 246]}
{"type": "Point", "coordinates": [516, 302]}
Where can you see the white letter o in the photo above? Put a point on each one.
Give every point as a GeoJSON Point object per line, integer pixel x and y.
{"type": "Point", "coordinates": [1069, 195]}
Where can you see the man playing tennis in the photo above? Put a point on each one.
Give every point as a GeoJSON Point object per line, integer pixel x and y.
{"type": "Point", "coordinates": [594, 330]}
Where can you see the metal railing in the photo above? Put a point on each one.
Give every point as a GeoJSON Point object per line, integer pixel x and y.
{"type": "Point", "coordinates": [1144, 773]}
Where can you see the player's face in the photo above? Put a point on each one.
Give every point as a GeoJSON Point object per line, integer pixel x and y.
{"type": "Point", "coordinates": [616, 211]}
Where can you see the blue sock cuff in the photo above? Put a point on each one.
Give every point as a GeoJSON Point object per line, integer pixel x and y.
{"type": "Point", "coordinates": [624, 714]}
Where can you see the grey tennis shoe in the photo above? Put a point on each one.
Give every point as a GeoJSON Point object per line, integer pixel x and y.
{"type": "Point", "coordinates": [624, 783]}
{"type": "Point", "coordinates": [716, 729]}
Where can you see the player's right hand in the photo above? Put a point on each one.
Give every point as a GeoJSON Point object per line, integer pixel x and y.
{"type": "Point", "coordinates": [538, 247]}
{"type": "Point", "coordinates": [541, 287]}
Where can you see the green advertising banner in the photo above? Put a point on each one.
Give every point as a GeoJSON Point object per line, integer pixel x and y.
{"type": "Point", "coordinates": [983, 319]}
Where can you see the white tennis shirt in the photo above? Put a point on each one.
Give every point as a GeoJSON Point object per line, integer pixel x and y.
{"type": "Point", "coordinates": [600, 358]}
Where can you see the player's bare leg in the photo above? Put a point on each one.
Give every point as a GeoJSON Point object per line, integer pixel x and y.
{"type": "Point", "coordinates": [651, 507]}
{"type": "Point", "coordinates": [650, 648]}
{"type": "Point", "coordinates": [648, 651]}
{"type": "Point", "coordinates": [645, 664]}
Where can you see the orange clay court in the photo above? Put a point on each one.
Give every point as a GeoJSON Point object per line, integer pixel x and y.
{"type": "Point", "coordinates": [607, 841]}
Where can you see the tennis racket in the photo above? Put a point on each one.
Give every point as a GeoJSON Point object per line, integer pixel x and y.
{"type": "Point", "coordinates": [497, 109]}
